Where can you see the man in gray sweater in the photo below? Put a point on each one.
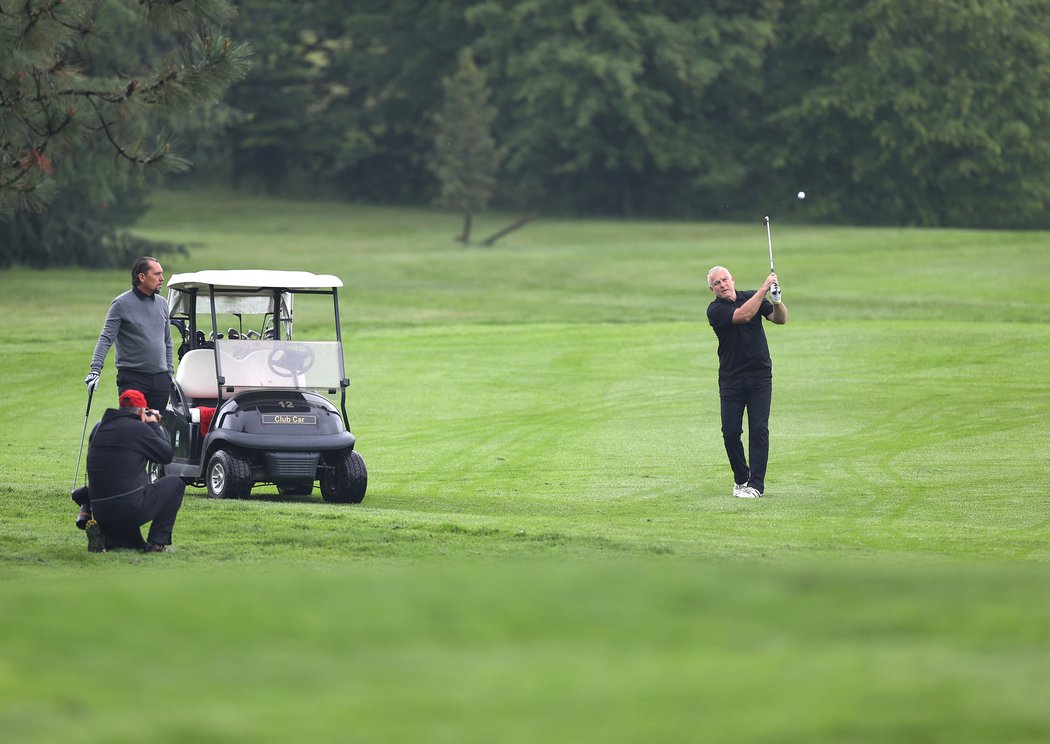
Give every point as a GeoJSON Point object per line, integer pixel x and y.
{"type": "Point", "coordinates": [137, 323]}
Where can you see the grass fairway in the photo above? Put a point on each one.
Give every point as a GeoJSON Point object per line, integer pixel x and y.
{"type": "Point", "coordinates": [548, 550]}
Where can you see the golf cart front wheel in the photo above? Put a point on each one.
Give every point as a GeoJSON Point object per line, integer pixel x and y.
{"type": "Point", "coordinates": [345, 479]}
{"type": "Point", "coordinates": [228, 475]}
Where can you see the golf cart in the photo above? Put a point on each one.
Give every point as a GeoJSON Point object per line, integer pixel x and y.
{"type": "Point", "coordinates": [247, 403]}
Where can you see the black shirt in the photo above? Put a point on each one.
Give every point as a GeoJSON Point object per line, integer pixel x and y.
{"type": "Point", "coordinates": [742, 348]}
{"type": "Point", "coordinates": [118, 450]}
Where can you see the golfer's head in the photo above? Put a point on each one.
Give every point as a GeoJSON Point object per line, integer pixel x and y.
{"type": "Point", "coordinates": [720, 281]}
{"type": "Point", "coordinates": [147, 275]}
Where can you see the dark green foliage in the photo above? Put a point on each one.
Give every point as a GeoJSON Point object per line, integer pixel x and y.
{"type": "Point", "coordinates": [89, 92]}
{"type": "Point", "coordinates": [342, 97]}
{"type": "Point", "coordinates": [77, 230]}
{"type": "Point", "coordinates": [466, 156]}
{"type": "Point", "coordinates": [616, 107]}
{"type": "Point", "coordinates": [913, 112]}
{"type": "Point", "coordinates": [286, 95]}
{"type": "Point", "coordinates": [399, 51]}
{"type": "Point", "coordinates": [883, 111]}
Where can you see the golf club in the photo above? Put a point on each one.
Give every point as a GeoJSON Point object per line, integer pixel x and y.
{"type": "Point", "coordinates": [76, 472]}
{"type": "Point", "coordinates": [775, 289]}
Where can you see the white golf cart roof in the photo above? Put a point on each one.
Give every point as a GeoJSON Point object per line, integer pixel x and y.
{"type": "Point", "coordinates": [250, 280]}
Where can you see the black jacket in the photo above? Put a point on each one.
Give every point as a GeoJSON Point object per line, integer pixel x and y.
{"type": "Point", "coordinates": [118, 450]}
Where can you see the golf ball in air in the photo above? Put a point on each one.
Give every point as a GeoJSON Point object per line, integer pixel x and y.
{"type": "Point", "coordinates": [802, 195]}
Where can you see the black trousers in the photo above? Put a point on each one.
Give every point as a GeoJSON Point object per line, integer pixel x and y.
{"type": "Point", "coordinates": [755, 395]}
{"type": "Point", "coordinates": [156, 387]}
{"type": "Point", "coordinates": [160, 505]}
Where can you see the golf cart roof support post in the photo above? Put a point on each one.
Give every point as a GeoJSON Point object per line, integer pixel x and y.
{"type": "Point", "coordinates": [193, 317]}
{"type": "Point", "coordinates": [338, 325]}
{"type": "Point", "coordinates": [343, 381]}
{"type": "Point", "coordinates": [339, 334]}
{"type": "Point", "coordinates": [219, 379]}
{"type": "Point", "coordinates": [278, 317]}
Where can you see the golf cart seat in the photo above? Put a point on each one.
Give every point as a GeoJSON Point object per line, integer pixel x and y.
{"type": "Point", "coordinates": [196, 374]}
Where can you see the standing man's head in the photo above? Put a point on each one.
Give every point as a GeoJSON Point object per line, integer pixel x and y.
{"type": "Point", "coordinates": [147, 275]}
{"type": "Point", "coordinates": [720, 281]}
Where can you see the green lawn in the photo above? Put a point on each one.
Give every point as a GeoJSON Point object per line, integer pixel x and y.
{"type": "Point", "coordinates": [548, 549]}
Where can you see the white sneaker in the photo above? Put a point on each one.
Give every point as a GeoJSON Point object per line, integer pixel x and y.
{"type": "Point", "coordinates": [747, 492]}
{"type": "Point", "coordinates": [738, 487]}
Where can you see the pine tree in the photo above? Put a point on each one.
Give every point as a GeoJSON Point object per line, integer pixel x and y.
{"type": "Point", "coordinates": [466, 157]}
{"type": "Point", "coordinates": [89, 90]}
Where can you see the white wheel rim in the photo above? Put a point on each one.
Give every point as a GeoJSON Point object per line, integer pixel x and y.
{"type": "Point", "coordinates": [218, 478]}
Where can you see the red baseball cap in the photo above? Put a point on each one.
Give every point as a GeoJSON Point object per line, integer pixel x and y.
{"type": "Point", "coordinates": [133, 399]}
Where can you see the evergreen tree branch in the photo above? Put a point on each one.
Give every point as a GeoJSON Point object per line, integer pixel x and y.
{"type": "Point", "coordinates": [50, 108]}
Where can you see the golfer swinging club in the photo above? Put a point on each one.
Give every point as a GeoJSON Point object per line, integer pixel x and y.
{"type": "Point", "coordinates": [745, 372]}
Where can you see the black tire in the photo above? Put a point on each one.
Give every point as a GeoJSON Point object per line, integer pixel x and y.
{"type": "Point", "coordinates": [295, 489]}
{"type": "Point", "coordinates": [228, 475]}
{"type": "Point", "coordinates": [346, 479]}
{"type": "Point", "coordinates": [154, 471]}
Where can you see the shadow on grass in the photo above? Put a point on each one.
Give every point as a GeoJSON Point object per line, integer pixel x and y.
{"type": "Point", "coordinates": [314, 498]}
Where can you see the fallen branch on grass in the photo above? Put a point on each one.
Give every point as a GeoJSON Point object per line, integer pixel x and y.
{"type": "Point", "coordinates": [510, 228]}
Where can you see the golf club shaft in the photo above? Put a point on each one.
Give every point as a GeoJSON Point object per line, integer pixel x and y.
{"type": "Point", "coordinates": [76, 472]}
{"type": "Point", "coordinates": [775, 288]}
{"type": "Point", "coordinates": [769, 237]}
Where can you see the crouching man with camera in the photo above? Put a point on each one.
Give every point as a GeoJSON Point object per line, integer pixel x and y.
{"type": "Point", "coordinates": [121, 497]}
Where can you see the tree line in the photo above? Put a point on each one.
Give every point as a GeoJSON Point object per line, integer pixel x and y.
{"type": "Point", "coordinates": [903, 112]}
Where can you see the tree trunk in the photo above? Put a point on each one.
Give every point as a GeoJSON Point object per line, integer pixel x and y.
{"type": "Point", "coordinates": [468, 218]}
{"type": "Point", "coordinates": [626, 197]}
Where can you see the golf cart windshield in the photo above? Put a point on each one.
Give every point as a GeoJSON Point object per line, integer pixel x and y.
{"type": "Point", "coordinates": [279, 364]}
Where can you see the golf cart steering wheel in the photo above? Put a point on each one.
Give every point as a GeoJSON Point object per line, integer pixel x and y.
{"type": "Point", "coordinates": [291, 360]}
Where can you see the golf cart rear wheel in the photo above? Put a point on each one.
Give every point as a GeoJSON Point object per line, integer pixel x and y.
{"type": "Point", "coordinates": [154, 471]}
{"type": "Point", "coordinates": [228, 475]}
{"type": "Point", "coordinates": [346, 479]}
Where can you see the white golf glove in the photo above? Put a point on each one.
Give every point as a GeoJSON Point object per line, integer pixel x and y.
{"type": "Point", "coordinates": [774, 293]}
{"type": "Point", "coordinates": [91, 381]}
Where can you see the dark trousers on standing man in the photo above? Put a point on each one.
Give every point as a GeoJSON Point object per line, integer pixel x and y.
{"type": "Point", "coordinates": [755, 394]}
{"type": "Point", "coordinates": [155, 386]}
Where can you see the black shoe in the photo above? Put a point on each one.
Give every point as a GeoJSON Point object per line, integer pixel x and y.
{"type": "Point", "coordinates": [83, 518]}
{"type": "Point", "coordinates": [96, 537]}
{"type": "Point", "coordinates": [80, 496]}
